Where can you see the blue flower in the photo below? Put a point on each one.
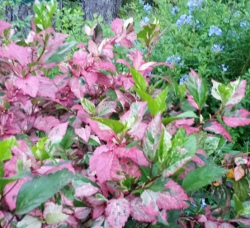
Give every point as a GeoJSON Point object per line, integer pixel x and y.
{"type": "Point", "coordinates": [217, 48]}
{"type": "Point", "coordinates": [145, 20]}
{"type": "Point", "coordinates": [198, 25]}
{"type": "Point", "coordinates": [174, 10]}
{"type": "Point", "coordinates": [147, 7]}
{"type": "Point", "coordinates": [192, 4]}
{"type": "Point", "coordinates": [183, 79]}
{"type": "Point", "coordinates": [184, 19]}
{"type": "Point", "coordinates": [214, 30]}
{"type": "Point", "coordinates": [203, 203]}
{"type": "Point", "coordinates": [224, 67]}
{"type": "Point", "coordinates": [175, 60]}
{"type": "Point", "coordinates": [244, 24]}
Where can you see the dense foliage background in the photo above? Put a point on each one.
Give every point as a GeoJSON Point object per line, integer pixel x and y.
{"type": "Point", "coordinates": [138, 122]}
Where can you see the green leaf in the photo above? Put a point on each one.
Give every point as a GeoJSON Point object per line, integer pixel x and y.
{"type": "Point", "coordinates": [59, 55]}
{"type": "Point", "coordinates": [83, 180]}
{"type": "Point", "coordinates": [115, 125]}
{"type": "Point", "coordinates": [238, 204]}
{"type": "Point", "coordinates": [152, 105]}
{"type": "Point", "coordinates": [140, 81]}
{"type": "Point", "coordinates": [183, 149]}
{"type": "Point", "coordinates": [35, 192]}
{"type": "Point", "coordinates": [187, 114]}
{"type": "Point", "coordinates": [165, 145]}
{"type": "Point", "coordinates": [101, 197]}
{"type": "Point", "coordinates": [202, 176]}
{"type": "Point", "coordinates": [241, 189]}
{"type": "Point", "coordinates": [88, 106]}
{"type": "Point", "coordinates": [6, 146]}
{"type": "Point", "coordinates": [245, 210]}
{"type": "Point", "coordinates": [78, 203]}
{"type": "Point", "coordinates": [39, 150]}
{"type": "Point", "coordinates": [161, 100]}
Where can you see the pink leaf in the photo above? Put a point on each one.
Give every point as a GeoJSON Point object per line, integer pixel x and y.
{"type": "Point", "coordinates": [117, 26]}
{"type": "Point", "coordinates": [86, 190]}
{"type": "Point", "coordinates": [105, 163]}
{"type": "Point", "coordinates": [109, 66]}
{"type": "Point", "coordinates": [101, 130]}
{"type": "Point", "coordinates": [81, 212]}
{"type": "Point", "coordinates": [173, 197]}
{"type": "Point", "coordinates": [11, 191]}
{"type": "Point", "coordinates": [217, 128]}
{"type": "Point", "coordinates": [83, 133]}
{"type": "Point", "coordinates": [197, 159]}
{"type": "Point", "coordinates": [58, 132]}
{"type": "Point", "coordinates": [134, 154]}
{"type": "Point", "coordinates": [29, 85]}
{"type": "Point", "coordinates": [192, 102]}
{"type": "Point", "coordinates": [105, 107]}
{"type": "Point", "coordinates": [130, 168]}
{"type": "Point", "coordinates": [238, 94]}
{"type": "Point", "coordinates": [4, 25]}
{"type": "Point", "coordinates": [46, 123]}
{"type": "Point", "coordinates": [226, 225]}
{"type": "Point", "coordinates": [237, 118]}
{"type": "Point", "coordinates": [47, 88]}
{"type": "Point", "coordinates": [186, 124]}
{"type": "Point", "coordinates": [92, 47]}
{"type": "Point", "coordinates": [238, 172]}
{"type": "Point", "coordinates": [138, 213]}
{"type": "Point", "coordinates": [211, 224]}
{"type": "Point", "coordinates": [98, 211]}
{"type": "Point", "coordinates": [117, 212]}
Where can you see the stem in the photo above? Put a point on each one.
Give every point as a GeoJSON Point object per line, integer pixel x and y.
{"type": "Point", "coordinates": [147, 182]}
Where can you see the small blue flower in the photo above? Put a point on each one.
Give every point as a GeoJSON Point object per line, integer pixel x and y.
{"type": "Point", "coordinates": [214, 30]}
{"type": "Point", "coordinates": [198, 25]}
{"type": "Point", "coordinates": [183, 79]}
{"type": "Point", "coordinates": [184, 19]}
{"type": "Point", "coordinates": [175, 60]}
{"type": "Point", "coordinates": [147, 7]}
{"type": "Point", "coordinates": [149, 74]}
{"type": "Point", "coordinates": [145, 20]}
{"type": "Point", "coordinates": [203, 203]}
{"type": "Point", "coordinates": [192, 4]}
{"type": "Point", "coordinates": [224, 67]}
{"type": "Point", "coordinates": [217, 48]}
{"type": "Point", "coordinates": [174, 10]}
{"type": "Point", "coordinates": [244, 24]}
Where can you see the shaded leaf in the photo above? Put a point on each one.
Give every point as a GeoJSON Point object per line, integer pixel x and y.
{"type": "Point", "coordinates": [202, 176]}
{"type": "Point", "coordinates": [35, 192]}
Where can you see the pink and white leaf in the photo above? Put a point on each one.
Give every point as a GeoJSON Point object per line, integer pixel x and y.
{"type": "Point", "coordinates": [58, 132]}
{"type": "Point", "coordinates": [86, 190]}
{"type": "Point", "coordinates": [238, 93]}
{"type": "Point", "coordinates": [173, 197]}
{"type": "Point", "coordinates": [45, 123]}
{"type": "Point", "coordinates": [83, 133]}
{"type": "Point", "coordinates": [237, 118]}
{"type": "Point", "coordinates": [238, 172]}
{"type": "Point", "coordinates": [192, 102]}
{"type": "Point", "coordinates": [28, 85]}
{"type": "Point", "coordinates": [117, 212]}
{"type": "Point", "coordinates": [217, 128]}
{"type": "Point", "coordinates": [105, 107]}
{"type": "Point", "coordinates": [117, 26]}
{"type": "Point", "coordinates": [138, 212]}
